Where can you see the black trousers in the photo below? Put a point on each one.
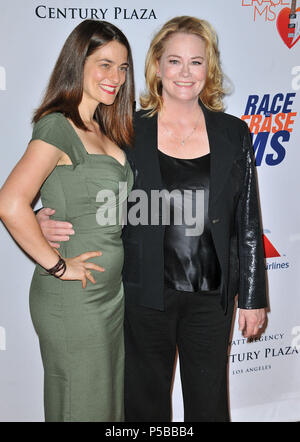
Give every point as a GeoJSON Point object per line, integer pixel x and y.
{"type": "Point", "coordinates": [196, 325]}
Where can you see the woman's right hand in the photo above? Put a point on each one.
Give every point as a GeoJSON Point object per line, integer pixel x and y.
{"type": "Point", "coordinates": [53, 230]}
{"type": "Point", "coordinates": [78, 269]}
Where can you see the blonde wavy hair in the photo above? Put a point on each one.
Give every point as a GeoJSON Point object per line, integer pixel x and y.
{"type": "Point", "coordinates": [213, 92]}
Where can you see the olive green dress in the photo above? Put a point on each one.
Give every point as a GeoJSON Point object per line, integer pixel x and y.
{"type": "Point", "coordinates": [81, 330]}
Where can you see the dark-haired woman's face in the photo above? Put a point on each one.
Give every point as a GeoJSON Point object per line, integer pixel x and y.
{"type": "Point", "coordinates": [104, 73]}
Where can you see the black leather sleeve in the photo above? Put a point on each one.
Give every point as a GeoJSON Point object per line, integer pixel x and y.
{"type": "Point", "coordinates": [252, 281]}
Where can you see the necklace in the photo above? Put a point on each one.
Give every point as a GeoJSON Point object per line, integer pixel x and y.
{"type": "Point", "coordinates": [182, 140]}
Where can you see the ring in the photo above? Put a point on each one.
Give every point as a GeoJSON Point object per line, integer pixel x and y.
{"type": "Point", "coordinates": [88, 273]}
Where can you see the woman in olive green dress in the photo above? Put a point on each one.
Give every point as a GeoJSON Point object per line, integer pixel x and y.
{"type": "Point", "coordinates": [76, 299]}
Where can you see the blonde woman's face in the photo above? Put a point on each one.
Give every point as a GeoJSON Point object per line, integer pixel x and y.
{"type": "Point", "coordinates": [183, 67]}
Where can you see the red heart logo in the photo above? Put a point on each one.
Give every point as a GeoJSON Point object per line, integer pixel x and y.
{"type": "Point", "coordinates": [283, 21]}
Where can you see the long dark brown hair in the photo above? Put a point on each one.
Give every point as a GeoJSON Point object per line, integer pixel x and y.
{"type": "Point", "coordinates": [65, 88]}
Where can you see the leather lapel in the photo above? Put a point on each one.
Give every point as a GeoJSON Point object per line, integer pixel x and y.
{"type": "Point", "coordinates": [146, 152]}
{"type": "Point", "coordinates": [222, 152]}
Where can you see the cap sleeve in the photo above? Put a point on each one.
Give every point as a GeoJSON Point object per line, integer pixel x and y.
{"type": "Point", "coordinates": [52, 130]}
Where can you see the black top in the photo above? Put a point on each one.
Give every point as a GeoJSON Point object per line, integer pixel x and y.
{"type": "Point", "coordinates": [191, 262]}
{"type": "Point", "coordinates": [233, 212]}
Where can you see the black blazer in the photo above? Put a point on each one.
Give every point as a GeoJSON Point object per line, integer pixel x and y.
{"type": "Point", "coordinates": [233, 213]}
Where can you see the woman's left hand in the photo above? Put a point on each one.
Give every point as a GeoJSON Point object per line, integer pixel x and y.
{"type": "Point", "coordinates": [252, 322]}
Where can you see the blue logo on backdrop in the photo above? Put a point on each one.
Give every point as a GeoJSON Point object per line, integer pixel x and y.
{"type": "Point", "coordinates": [270, 120]}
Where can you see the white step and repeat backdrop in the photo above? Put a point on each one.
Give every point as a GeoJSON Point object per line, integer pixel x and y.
{"type": "Point", "coordinates": [262, 64]}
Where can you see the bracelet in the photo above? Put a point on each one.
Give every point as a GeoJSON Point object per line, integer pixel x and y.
{"type": "Point", "coordinates": [59, 266]}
